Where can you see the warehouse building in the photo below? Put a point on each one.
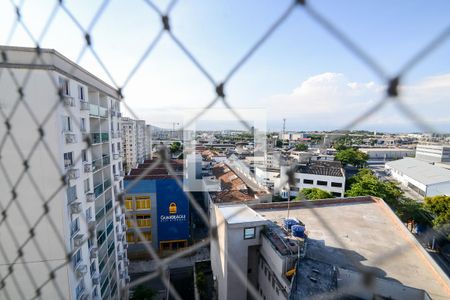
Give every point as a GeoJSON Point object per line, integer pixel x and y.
{"type": "Point", "coordinates": [422, 177]}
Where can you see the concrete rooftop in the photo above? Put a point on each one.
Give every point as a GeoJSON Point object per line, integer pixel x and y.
{"type": "Point", "coordinates": [364, 235]}
{"type": "Point", "coordinates": [240, 213]}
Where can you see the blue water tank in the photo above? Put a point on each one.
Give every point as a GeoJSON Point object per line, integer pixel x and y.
{"type": "Point", "coordinates": [298, 231]}
{"type": "Point", "coordinates": [288, 223]}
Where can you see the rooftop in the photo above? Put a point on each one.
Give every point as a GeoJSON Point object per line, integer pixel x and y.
{"type": "Point", "coordinates": [359, 234]}
{"type": "Point", "coordinates": [157, 172]}
{"type": "Point", "coordinates": [421, 171]}
{"type": "Point", "coordinates": [240, 213]}
{"type": "Point", "coordinates": [326, 168]}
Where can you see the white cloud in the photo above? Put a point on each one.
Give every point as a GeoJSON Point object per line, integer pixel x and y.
{"type": "Point", "coordinates": [331, 100]}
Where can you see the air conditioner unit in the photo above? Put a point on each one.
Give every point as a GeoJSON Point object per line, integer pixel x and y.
{"type": "Point", "coordinates": [117, 218]}
{"type": "Point", "coordinates": [116, 156]}
{"type": "Point", "coordinates": [126, 262]}
{"type": "Point", "coordinates": [120, 256]}
{"type": "Point", "coordinates": [75, 207]}
{"type": "Point", "coordinates": [93, 252]}
{"type": "Point", "coordinates": [116, 177]}
{"type": "Point", "coordinates": [78, 240]}
{"type": "Point", "coordinates": [81, 270]}
{"type": "Point", "coordinates": [95, 278]}
{"type": "Point", "coordinates": [91, 224]}
{"type": "Point", "coordinates": [84, 105]}
{"type": "Point", "coordinates": [90, 197]}
{"type": "Point", "coordinates": [73, 173]}
{"type": "Point", "coordinates": [121, 275]}
{"type": "Point", "coordinates": [87, 168]}
{"type": "Point", "coordinates": [69, 101]}
{"type": "Point", "coordinates": [70, 138]}
{"type": "Point", "coordinates": [124, 227]}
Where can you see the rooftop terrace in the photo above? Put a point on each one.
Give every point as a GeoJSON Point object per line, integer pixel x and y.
{"type": "Point", "coordinates": [363, 234]}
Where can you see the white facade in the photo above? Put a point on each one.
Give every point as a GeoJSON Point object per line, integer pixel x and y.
{"type": "Point", "coordinates": [387, 153]}
{"type": "Point", "coordinates": [87, 110]}
{"type": "Point", "coordinates": [332, 184]}
{"type": "Point", "coordinates": [433, 152]}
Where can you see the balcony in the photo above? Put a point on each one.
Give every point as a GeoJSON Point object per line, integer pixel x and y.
{"type": "Point", "coordinates": [70, 137]}
{"type": "Point", "coordinates": [106, 184]}
{"type": "Point", "coordinates": [99, 215]}
{"type": "Point", "coordinates": [87, 168]}
{"type": "Point", "coordinates": [106, 160]}
{"type": "Point", "coordinates": [84, 105]}
{"type": "Point", "coordinates": [98, 190]}
{"type": "Point", "coordinates": [102, 112]}
{"type": "Point", "coordinates": [108, 205]}
{"type": "Point", "coordinates": [68, 101]}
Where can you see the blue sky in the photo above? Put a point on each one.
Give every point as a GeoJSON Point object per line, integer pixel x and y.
{"type": "Point", "coordinates": [301, 73]}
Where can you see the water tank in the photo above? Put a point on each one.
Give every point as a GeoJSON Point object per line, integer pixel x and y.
{"type": "Point", "coordinates": [298, 231]}
{"type": "Point", "coordinates": [288, 223]}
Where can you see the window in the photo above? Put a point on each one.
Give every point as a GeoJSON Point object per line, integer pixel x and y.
{"type": "Point", "coordinates": [64, 86]}
{"type": "Point", "coordinates": [129, 203]}
{"type": "Point", "coordinates": [83, 125]}
{"type": "Point", "coordinates": [87, 185]}
{"type": "Point", "coordinates": [67, 123]}
{"type": "Point", "coordinates": [80, 289]}
{"type": "Point", "coordinates": [68, 159]}
{"type": "Point", "coordinates": [113, 147]}
{"type": "Point", "coordinates": [336, 194]}
{"type": "Point", "coordinates": [147, 236]}
{"type": "Point", "coordinates": [130, 237]}
{"type": "Point", "coordinates": [308, 181]}
{"type": "Point", "coordinates": [71, 194]}
{"type": "Point", "coordinates": [76, 258]}
{"type": "Point", "coordinates": [321, 182]}
{"type": "Point", "coordinates": [84, 155]}
{"type": "Point", "coordinates": [143, 221]}
{"type": "Point", "coordinates": [297, 180]}
{"type": "Point", "coordinates": [249, 233]}
{"type": "Point", "coordinates": [88, 214]}
{"type": "Point", "coordinates": [80, 92]}
{"type": "Point", "coordinates": [74, 226]}
{"type": "Point", "coordinates": [92, 268]}
{"type": "Point", "coordinates": [336, 184]}
{"type": "Point", "coordinates": [143, 202]}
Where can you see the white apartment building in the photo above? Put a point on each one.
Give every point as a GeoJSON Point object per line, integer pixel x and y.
{"type": "Point", "coordinates": [134, 139]}
{"type": "Point", "coordinates": [62, 106]}
{"type": "Point", "coordinates": [325, 175]}
{"type": "Point", "coordinates": [433, 153]}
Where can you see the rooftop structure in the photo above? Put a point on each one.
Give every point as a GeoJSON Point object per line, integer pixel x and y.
{"type": "Point", "coordinates": [433, 152]}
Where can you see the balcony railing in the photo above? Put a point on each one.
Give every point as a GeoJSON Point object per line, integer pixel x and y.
{"type": "Point", "coordinates": [106, 184]}
{"type": "Point", "coordinates": [108, 205]}
{"type": "Point", "coordinates": [84, 105]}
{"type": "Point", "coordinates": [106, 160]}
{"type": "Point", "coordinates": [98, 190]}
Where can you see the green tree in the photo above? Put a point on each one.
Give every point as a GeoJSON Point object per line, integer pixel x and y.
{"type": "Point", "coordinates": [279, 144]}
{"type": "Point", "coordinates": [143, 293]}
{"type": "Point", "coordinates": [410, 210]}
{"type": "Point", "coordinates": [301, 147]}
{"type": "Point", "coordinates": [365, 183]}
{"type": "Point", "coordinates": [439, 206]}
{"type": "Point", "coordinates": [352, 157]}
{"type": "Point", "coordinates": [175, 147]}
{"type": "Point", "coordinates": [313, 194]}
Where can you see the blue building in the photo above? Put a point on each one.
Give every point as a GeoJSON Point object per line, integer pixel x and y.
{"type": "Point", "coordinates": [157, 207]}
